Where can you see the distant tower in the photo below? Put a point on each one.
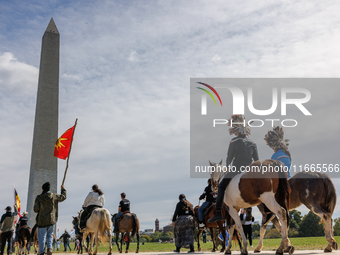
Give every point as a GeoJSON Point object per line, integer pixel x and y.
{"type": "Point", "coordinates": [43, 163]}
{"type": "Point", "coordinates": [156, 225]}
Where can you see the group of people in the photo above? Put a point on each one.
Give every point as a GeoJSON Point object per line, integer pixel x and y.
{"type": "Point", "coordinates": [241, 152]}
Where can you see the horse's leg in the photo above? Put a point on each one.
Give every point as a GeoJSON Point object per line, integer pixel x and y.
{"type": "Point", "coordinates": [234, 214]}
{"type": "Point", "coordinates": [263, 228]}
{"type": "Point", "coordinates": [92, 244]}
{"type": "Point", "coordinates": [127, 242]}
{"type": "Point", "coordinates": [198, 239]}
{"type": "Point", "coordinates": [269, 200]}
{"type": "Point", "coordinates": [230, 232]}
{"type": "Point", "coordinates": [121, 243]}
{"type": "Point", "coordinates": [137, 234]}
{"type": "Point", "coordinates": [326, 218]}
{"type": "Point", "coordinates": [212, 233]}
{"type": "Point", "coordinates": [117, 236]}
{"type": "Point", "coordinates": [97, 241]}
{"type": "Point", "coordinates": [224, 237]}
{"type": "Point", "coordinates": [110, 241]}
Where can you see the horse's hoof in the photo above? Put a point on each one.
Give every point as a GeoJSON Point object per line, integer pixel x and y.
{"type": "Point", "coordinates": [291, 250]}
{"type": "Point", "coordinates": [327, 249]}
{"type": "Point", "coordinates": [227, 252]}
{"type": "Point", "coordinates": [137, 251]}
{"type": "Point", "coordinates": [222, 250]}
{"type": "Point", "coordinates": [335, 245]}
{"type": "Point", "coordinates": [126, 251]}
{"type": "Point", "coordinates": [279, 252]}
{"type": "Point", "coordinates": [257, 251]}
{"type": "Point", "coordinates": [199, 249]}
{"type": "Point", "coordinates": [244, 253]}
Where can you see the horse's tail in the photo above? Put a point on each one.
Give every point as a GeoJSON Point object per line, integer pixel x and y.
{"type": "Point", "coordinates": [33, 232]}
{"type": "Point", "coordinates": [135, 225]}
{"type": "Point", "coordinates": [104, 225]}
{"type": "Point", "coordinates": [283, 193]}
{"type": "Point", "coordinates": [330, 196]}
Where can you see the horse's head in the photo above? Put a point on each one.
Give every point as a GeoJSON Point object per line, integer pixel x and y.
{"type": "Point", "coordinates": [216, 173]}
{"type": "Point", "coordinates": [75, 220]}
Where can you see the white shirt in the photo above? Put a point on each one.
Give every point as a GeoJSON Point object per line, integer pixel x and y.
{"type": "Point", "coordinates": [93, 198]}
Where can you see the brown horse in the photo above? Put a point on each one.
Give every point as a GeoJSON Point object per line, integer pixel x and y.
{"type": "Point", "coordinates": [252, 187]}
{"type": "Point", "coordinates": [129, 223]}
{"type": "Point", "coordinates": [24, 237]}
{"type": "Point", "coordinates": [219, 224]}
{"type": "Point", "coordinates": [34, 238]}
{"type": "Point", "coordinates": [79, 236]}
{"type": "Point", "coordinates": [316, 191]}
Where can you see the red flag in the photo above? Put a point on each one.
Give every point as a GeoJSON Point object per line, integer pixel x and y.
{"type": "Point", "coordinates": [63, 144]}
{"type": "Point", "coordinates": [17, 202]}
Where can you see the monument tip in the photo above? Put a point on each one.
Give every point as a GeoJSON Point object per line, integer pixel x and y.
{"type": "Point", "coordinates": [52, 27]}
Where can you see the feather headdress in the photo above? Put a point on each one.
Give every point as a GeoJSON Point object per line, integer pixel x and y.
{"type": "Point", "coordinates": [238, 126]}
{"type": "Point", "coordinates": [275, 139]}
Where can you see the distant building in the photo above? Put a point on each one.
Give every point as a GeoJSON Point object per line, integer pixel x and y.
{"type": "Point", "coordinates": [156, 225]}
{"type": "Point", "coordinates": [167, 228]}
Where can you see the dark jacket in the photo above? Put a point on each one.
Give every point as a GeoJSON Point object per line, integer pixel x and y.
{"type": "Point", "coordinates": [46, 207]}
{"type": "Point", "coordinates": [66, 237]}
{"type": "Point", "coordinates": [7, 221]}
{"type": "Point", "coordinates": [209, 195]}
{"type": "Point", "coordinates": [23, 221]}
{"type": "Point", "coordinates": [242, 151]}
{"type": "Point", "coordinates": [183, 207]}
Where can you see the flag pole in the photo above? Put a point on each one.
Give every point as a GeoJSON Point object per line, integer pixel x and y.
{"type": "Point", "coordinates": [68, 158]}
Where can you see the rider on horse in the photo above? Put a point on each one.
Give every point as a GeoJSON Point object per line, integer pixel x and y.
{"type": "Point", "coordinates": [124, 207]}
{"type": "Point", "coordinates": [95, 199]}
{"type": "Point", "coordinates": [21, 223]}
{"type": "Point", "coordinates": [210, 198]}
{"type": "Point", "coordinates": [275, 140]}
{"type": "Point", "coordinates": [242, 151]}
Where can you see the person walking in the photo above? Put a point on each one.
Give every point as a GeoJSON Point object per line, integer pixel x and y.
{"type": "Point", "coordinates": [184, 224]}
{"type": "Point", "coordinates": [46, 207]}
{"type": "Point", "coordinates": [66, 240]}
{"type": "Point", "coordinates": [247, 219]}
{"type": "Point", "coordinates": [7, 226]}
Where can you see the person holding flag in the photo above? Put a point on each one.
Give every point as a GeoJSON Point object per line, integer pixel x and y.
{"type": "Point", "coordinates": [46, 207]}
{"type": "Point", "coordinates": [7, 226]}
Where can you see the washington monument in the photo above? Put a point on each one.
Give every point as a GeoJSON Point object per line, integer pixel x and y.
{"type": "Point", "coordinates": [43, 163]}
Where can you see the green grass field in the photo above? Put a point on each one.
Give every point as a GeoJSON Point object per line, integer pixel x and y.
{"type": "Point", "coordinates": [300, 243]}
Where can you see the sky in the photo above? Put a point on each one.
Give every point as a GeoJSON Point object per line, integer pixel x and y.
{"type": "Point", "coordinates": [125, 69]}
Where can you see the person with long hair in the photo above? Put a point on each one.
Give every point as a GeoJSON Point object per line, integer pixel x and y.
{"type": "Point", "coordinates": [275, 140]}
{"type": "Point", "coordinates": [184, 224]}
{"type": "Point", "coordinates": [95, 199]}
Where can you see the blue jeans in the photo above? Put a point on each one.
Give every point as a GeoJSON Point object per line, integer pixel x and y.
{"type": "Point", "coordinates": [45, 234]}
{"type": "Point", "coordinates": [115, 218]}
{"type": "Point", "coordinates": [201, 209]}
{"type": "Point", "coordinates": [67, 244]}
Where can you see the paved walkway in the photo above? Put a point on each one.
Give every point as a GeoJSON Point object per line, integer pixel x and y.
{"type": "Point", "coordinates": [309, 252]}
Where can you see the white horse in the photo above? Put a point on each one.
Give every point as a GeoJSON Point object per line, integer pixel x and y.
{"type": "Point", "coordinates": [249, 189]}
{"type": "Point", "coordinates": [99, 224]}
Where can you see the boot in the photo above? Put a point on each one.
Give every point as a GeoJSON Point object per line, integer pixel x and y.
{"type": "Point", "coordinates": [200, 225]}
{"type": "Point", "coordinates": [219, 201]}
{"type": "Point", "coordinates": [49, 251]}
{"type": "Point", "coordinates": [178, 250]}
{"type": "Point", "coordinates": [192, 250]}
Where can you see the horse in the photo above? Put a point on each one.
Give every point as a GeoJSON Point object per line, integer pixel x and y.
{"type": "Point", "coordinates": [34, 238]}
{"type": "Point", "coordinates": [128, 223]}
{"type": "Point", "coordinates": [79, 236]}
{"type": "Point", "coordinates": [250, 188]}
{"type": "Point", "coordinates": [98, 223]}
{"type": "Point", "coordinates": [24, 238]}
{"type": "Point", "coordinates": [219, 224]}
{"type": "Point", "coordinates": [316, 191]}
